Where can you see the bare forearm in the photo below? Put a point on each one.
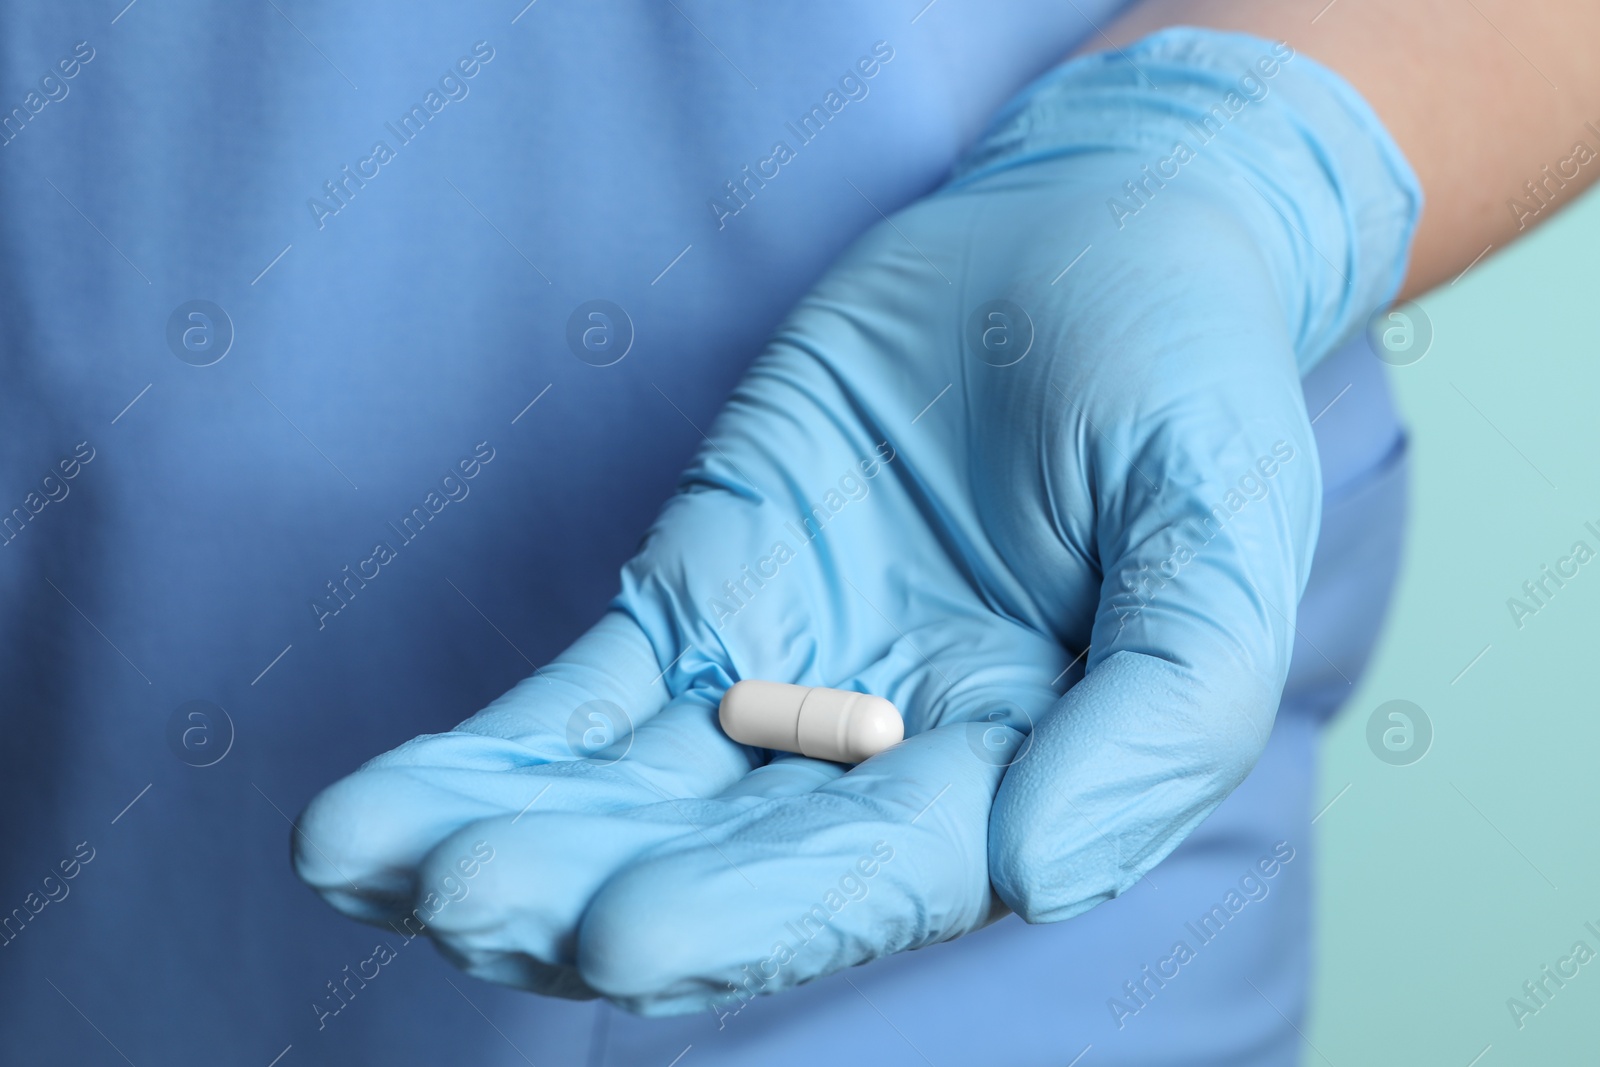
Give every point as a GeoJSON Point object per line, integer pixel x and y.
{"type": "Point", "coordinates": [1481, 95]}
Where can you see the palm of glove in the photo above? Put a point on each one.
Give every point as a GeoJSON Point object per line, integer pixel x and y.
{"type": "Point", "coordinates": [956, 478]}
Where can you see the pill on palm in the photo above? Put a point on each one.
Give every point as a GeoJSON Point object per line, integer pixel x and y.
{"type": "Point", "coordinates": [830, 724]}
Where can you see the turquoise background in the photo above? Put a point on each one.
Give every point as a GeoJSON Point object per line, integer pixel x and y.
{"type": "Point", "coordinates": [1448, 883]}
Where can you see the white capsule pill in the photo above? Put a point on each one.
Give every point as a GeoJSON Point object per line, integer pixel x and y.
{"type": "Point", "coordinates": [830, 724]}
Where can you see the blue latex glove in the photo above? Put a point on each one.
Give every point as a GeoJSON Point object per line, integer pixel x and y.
{"type": "Point", "coordinates": [1104, 487]}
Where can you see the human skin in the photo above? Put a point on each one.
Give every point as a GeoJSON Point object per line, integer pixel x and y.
{"type": "Point", "coordinates": [1479, 94]}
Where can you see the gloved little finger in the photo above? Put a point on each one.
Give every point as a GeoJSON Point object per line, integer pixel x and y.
{"type": "Point", "coordinates": [359, 841]}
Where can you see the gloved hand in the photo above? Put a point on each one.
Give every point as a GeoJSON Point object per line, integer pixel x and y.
{"type": "Point", "coordinates": [1061, 517]}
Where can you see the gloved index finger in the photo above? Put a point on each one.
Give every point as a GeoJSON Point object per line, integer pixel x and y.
{"type": "Point", "coordinates": [886, 857]}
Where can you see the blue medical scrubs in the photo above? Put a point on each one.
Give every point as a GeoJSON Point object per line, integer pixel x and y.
{"type": "Point", "coordinates": [275, 276]}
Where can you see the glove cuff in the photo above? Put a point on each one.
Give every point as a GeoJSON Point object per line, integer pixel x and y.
{"type": "Point", "coordinates": [1302, 158]}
